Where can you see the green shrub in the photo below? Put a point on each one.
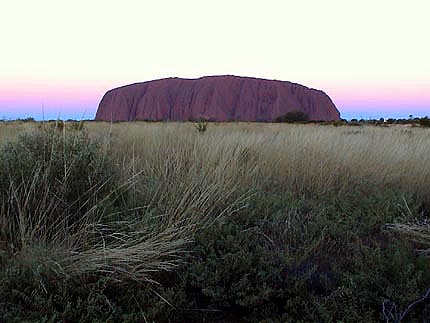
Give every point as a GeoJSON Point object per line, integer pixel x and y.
{"type": "Point", "coordinates": [338, 123]}
{"type": "Point", "coordinates": [293, 116]}
{"type": "Point", "coordinates": [201, 126]}
{"type": "Point", "coordinates": [425, 122]}
{"type": "Point", "coordinates": [28, 119]}
{"type": "Point", "coordinates": [289, 260]}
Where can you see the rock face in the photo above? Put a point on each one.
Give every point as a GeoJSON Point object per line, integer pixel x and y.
{"type": "Point", "coordinates": [214, 98]}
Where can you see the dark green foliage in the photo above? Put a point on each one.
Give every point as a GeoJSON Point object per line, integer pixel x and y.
{"type": "Point", "coordinates": [293, 116]}
{"type": "Point", "coordinates": [201, 125]}
{"type": "Point", "coordinates": [338, 123]}
{"type": "Point", "coordinates": [24, 299]}
{"type": "Point", "coordinates": [292, 260]}
{"type": "Point", "coordinates": [425, 122]}
{"type": "Point", "coordinates": [28, 119]}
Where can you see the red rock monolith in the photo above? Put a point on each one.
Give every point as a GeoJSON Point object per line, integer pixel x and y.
{"type": "Point", "coordinates": [214, 98]}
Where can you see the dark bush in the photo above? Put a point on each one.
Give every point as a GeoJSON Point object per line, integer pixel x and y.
{"type": "Point", "coordinates": [354, 122]}
{"type": "Point", "coordinates": [293, 116]}
{"type": "Point", "coordinates": [425, 122]}
{"type": "Point", "coordinates": [291, 260]}
{"type": "Point", "coordinates": [338, 123]}
{"type": "Point", "coordinates": [28, 119]}
{"type": "Point", "coordinates": [201, 126]}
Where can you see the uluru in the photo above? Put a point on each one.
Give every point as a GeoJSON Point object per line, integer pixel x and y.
{"type": "Point", "coordinates": [214, 98]}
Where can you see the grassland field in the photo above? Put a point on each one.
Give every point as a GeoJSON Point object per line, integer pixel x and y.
{"type": "Point", "coordinates": [243, 222]}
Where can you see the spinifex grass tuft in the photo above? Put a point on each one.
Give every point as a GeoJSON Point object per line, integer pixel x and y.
{"type": "Point", "coordinates": [68, 208]}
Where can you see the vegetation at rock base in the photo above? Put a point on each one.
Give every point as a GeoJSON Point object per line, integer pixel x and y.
{"type": "Point", "coordinates": [293, 116]}
{"type": "Point", "coordinates": [152, 222]}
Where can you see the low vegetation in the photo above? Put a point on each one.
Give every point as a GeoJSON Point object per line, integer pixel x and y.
{"type": "Point", "coordinates": [293, 116]}
{"type": "Point", "coordinates": [158, 222]}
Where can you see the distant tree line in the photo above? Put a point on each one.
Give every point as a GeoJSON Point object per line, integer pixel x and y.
{"type": "Point", "coordinates": [298, 117]}
{"type": "Point", "coordinates": [423, 122]}
{"type": "Point", "coordinates": [301, 117]}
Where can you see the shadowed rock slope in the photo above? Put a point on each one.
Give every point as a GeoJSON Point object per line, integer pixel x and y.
{"type": "Point", "coordinates": [215, 98]}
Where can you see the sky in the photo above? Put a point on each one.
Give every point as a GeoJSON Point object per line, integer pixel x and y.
{"type": "Point", "coordinates": [58, 58]}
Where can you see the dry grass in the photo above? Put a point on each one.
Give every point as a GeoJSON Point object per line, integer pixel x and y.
{"type": "Point", "coordinates": [163, 203]}
{"type": "Point", "coordinates": [178, 179]}
{"type": "Point", "coordinates": [300, 157]}
{"type": "Point", "coordinates": [9, 130]}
